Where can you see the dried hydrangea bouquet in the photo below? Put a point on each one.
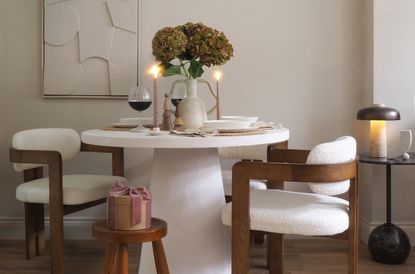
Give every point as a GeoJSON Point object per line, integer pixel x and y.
{"type": "Point", "coordinates": [184, 50]}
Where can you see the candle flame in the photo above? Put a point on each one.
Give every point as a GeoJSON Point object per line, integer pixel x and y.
{"type": "Point", "coordinates": [155, 70]}
{"type": "Point", "coordinates": [218, 75]}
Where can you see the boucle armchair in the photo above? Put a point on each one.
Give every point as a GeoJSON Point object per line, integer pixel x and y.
{"type": "Point", "coordinates": [65, 194]}
{"type": "Point", "coordinates": [330, 168]}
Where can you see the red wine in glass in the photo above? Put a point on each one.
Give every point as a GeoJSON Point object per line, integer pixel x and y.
{"type": "Point", "coordinates": [176, 101]}
{"type": "Point", "coordinates": [139, 105]}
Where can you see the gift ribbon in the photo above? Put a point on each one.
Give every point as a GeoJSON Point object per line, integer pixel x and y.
{"type": "Point", "coordinates": [137, 194]}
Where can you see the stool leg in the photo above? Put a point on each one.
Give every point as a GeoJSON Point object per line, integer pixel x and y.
{"type": "Point", "coordinates": [122, 259]}
{"type": "Point", "coordinates": [109, 261]}
{"type": "Point", "coordinates": [160, 258]}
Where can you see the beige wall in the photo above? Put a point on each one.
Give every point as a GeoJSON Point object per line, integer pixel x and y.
{"type": "Point", "coordinates": [298, 63]}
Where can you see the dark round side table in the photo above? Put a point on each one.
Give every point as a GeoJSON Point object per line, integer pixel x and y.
{"type": "Point", "coordinates": [388, 243]}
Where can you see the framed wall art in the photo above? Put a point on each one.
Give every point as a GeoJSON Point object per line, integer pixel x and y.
{"type": "Point", "coordinates": [90, 48]}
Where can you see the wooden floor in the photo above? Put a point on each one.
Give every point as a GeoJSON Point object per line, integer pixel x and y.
{"type": "Point", "coordinates": [308, 256]}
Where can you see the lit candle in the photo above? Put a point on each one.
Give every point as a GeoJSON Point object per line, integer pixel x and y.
{"type": "Point", "coordinates": [218, 76]}
{"type": "Point", "coordinates": [155, 71]}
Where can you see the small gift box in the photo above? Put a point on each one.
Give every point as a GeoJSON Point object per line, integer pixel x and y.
{"type": "Point", "coordinates": [128, 208]}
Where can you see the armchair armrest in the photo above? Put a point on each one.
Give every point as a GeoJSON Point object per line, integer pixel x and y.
{"type": "Point", "coordinates": [44, 157]}
{"type": "Point", "coordinates": [299, 172]}
{"type": "Point", "coordinates": [54, 160]}
{"type": "Point", "coordinates": [117, 156]}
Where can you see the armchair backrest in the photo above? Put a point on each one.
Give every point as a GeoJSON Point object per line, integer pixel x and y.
{"type": "Point", "coordinates": [66, 141]}
{"type": "Point", "coordinates": [343, 149]}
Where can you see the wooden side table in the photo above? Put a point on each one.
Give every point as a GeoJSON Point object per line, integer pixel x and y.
{"type": "Point", "coordinates": [388, 243]}
{"type": "Point", "coordinates": [118, 240]}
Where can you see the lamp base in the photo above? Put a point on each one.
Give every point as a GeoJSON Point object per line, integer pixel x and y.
{"type": "Point", "coordinates": [389, 244]}
{"type": "Point", "coordinates": [378, 144]}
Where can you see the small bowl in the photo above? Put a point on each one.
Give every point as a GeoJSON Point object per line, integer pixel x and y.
{"type": "Point", "coordinates": [211, 125]}
{"type": "Point", "coordinates": [251, 119]}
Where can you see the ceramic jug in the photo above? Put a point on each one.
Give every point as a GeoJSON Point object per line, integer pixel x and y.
{"type": "Point", "coordinates": [192, 109]}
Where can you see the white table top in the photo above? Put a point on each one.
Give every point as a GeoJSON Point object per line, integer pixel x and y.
{"type": "Point", "coordinates": [144, 140]}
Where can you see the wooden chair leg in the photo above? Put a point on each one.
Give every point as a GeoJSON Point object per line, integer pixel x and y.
{"type": "Point", "coordinates": [109, 261]}
{"type": "Point", "coordinates": [160, 258]}
{"type": "Point", "coordinates": [30, 229]}
{"type": "Point", "coordinates": [56, 240]}
{"type": "Point", "coordinates": [352, 254]}
{"type": "Point", "coordinates": [122, 259]}
{"type": "Point", "coordinates": [40, 229]}
{"type": "Point", "coordinates": [353, 237]}
{"type": "Point", "coordinates": [259, 237]}
{"type": "Point", "coordinates": [275, 253]}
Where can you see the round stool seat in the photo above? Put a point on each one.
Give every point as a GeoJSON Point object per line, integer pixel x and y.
{"type": "Point", "coordinates": [118, 240]}
{"type": "Point", "coordinates": [157, 231]}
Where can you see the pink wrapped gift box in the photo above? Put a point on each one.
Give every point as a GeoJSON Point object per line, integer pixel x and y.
{"type": "Point", "coordinates": [128, 208]}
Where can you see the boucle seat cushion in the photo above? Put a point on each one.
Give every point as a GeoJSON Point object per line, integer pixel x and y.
{"type": "Point", "coordinates": [343, 149]}
{"type": "Point", "coordinates": [287, 212]}
{"type": "Point", "coordinates": [227, 183]}
{"type": "Point", "coordinates": [77, 189]}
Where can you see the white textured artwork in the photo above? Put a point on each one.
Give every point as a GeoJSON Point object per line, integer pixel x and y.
{"type": "Point", "coordinates": [90, 47]}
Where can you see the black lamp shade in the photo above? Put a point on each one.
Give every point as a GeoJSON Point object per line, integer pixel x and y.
{"type": "Point", "coordinates": [378, 112]}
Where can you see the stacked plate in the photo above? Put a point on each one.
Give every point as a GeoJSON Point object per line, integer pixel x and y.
{"type": "Point", "coordinates": [133, 122]}
{"type": "Point", "coordinates": [231, 124]}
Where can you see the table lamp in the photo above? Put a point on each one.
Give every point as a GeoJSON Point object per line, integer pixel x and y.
{"type": "Point", "coordinates": [378, 114]}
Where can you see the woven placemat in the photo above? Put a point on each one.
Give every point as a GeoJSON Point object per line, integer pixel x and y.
{"type": "Point", "coordinates": [116, 128]}
{"type": "Point", "coordinates": [247, 133]}
{"type": "Point", "coordinates": [255, 132]}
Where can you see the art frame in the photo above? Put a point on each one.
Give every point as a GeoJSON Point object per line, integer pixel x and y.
{"type": "Point", "coordinates": [90, 60]}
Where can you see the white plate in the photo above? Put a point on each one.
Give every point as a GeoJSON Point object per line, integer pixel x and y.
{"type": "Point", "coordinates": [212, 125]}
{"type": "Point", "coordinates": [251, 119]}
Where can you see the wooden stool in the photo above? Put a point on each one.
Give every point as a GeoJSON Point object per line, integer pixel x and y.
{"type": "Point", "coordinates": [118, 240]}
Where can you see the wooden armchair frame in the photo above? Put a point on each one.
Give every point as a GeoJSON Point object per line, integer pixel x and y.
{"type": "Point", "coordinates": [286, 165]}
{"type": "Point", "coordinates": [34, 213]}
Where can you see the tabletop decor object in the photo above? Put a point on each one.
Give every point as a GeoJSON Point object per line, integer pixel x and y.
{"type": "Point", "coordinates": [191, 109]}
{"type": "Point", "coordinates": [167, 123]}
{"type": "Point", "coordinates": [218, 76]}
{"type": "Point", "coordinates": [184, 50]}
{"type": "Point", "coordinates": [403, 147]}
{"type": "Point", "coordinates": [378, 114]}
{"type": "Point", "coordinates": [128, 208]}
{"type": "Point", "coordinates": [177, 94]}
{"type": "Point", "coordinates": [155, 70]}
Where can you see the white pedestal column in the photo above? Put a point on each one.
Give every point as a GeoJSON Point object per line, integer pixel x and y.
{"type": "Point", "coordinates": [188, 194]}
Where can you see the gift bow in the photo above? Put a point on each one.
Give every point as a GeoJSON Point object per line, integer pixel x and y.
{"type": "Point", "coordinates": [137, 194]}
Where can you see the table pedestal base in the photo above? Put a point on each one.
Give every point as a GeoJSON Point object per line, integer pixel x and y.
{"type": "Point", "coordinates": [187, 190]}
{"type": "Point", "coordinates": [389, 244]}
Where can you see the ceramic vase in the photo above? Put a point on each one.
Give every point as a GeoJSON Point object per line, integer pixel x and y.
{"type": "Point", "coordinates": [192, 109]}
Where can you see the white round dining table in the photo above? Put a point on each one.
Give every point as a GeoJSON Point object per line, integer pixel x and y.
{"type": "Point", "coordinates": [187, 190]}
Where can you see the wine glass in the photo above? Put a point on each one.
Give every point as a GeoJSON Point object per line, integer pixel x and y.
{"type": "Point", "coordinates": [177, 94]}
{"type": "Point", "coordinates": [139, 99]}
